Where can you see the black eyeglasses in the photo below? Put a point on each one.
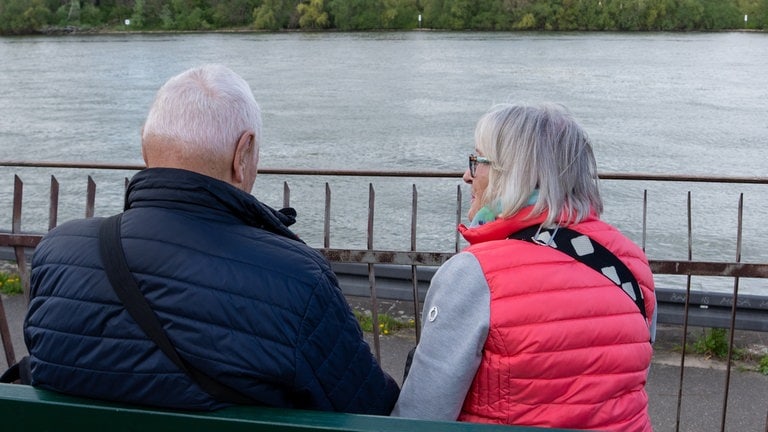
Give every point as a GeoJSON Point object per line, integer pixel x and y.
{"type": "Point", "coordinates": [474, 160]}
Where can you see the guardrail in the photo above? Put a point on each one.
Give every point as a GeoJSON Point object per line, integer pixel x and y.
{"type": "Point", "coordinates": [404, 274]}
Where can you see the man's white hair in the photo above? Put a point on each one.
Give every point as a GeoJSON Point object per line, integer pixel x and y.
{"type": "Point", "coordinates": [203, 111]}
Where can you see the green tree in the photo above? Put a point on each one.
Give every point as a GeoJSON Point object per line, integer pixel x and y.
{"type": "Point", "coordinates": [548, 15]}
{"type": "Point", "coordinates": [188, 15]}
{"type": "Point", "coordinates": [153, 14]}
{"type": "Point", "coordinates": [232, 13]}
{"type": "Point", "coordinates": [24, 16]}
{"type": "Point", "coordinates": [116, 11]}
{"type": "Point", "coordinates": [627, 14]}
{"type": "Point", "coordinates": [273, 14]}
{"type": "Point", "coordinates": [761, 16]}
{"type": "Point", "coordinates": [689, 14]}
{"type": "Point", "coordinates": [719, 14]}
{"type": "Point", "coordinates": [490, 15]}
{"type": "Point", "coordinates": [433, 13]}
{"type": "Point", "coordinates": [137, 17]}
{"type": "Point", "coordinates": [166, 18]}
{"type": "Point", "coordinates": [400, 14]}
{"type": "Point", "coordinates": [356, 14]}
{"type": "Point", "coordinates": [527, 22]}
{"type": "Point", "coordinates": [74, 12]}
{"type": "Point", "coordinates": [460, 13]}
{"type": "Point", "coordinates": [662, 15]}
{"type": "Point", "coordinates": [312, 15]}
{"type": "Point", "coordinates": [90, 15]}
{"type": "Point", "coordinates": [569, 18]}
{"type": "Point", "coordinates": [193, 20]}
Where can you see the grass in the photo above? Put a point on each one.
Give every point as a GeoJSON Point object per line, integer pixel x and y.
{"type": "Point", "coordinates": [763, 365]}
{"type": "Point", "coordinates": [387, 323]}
{"type": "Point", "coordinates": [714, 344]}
{"type": "Point", "coordinates": [10, 284]}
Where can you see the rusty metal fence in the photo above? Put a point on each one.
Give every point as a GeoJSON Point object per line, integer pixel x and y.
{"type": "Point", "coordinates": [411, 266]}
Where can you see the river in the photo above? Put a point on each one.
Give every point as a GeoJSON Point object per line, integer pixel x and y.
{"type": "Point", "coordinates": [683, 103]}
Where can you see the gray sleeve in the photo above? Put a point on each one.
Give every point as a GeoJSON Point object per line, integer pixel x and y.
{"type": "Point", "coordinates": [456, 317]}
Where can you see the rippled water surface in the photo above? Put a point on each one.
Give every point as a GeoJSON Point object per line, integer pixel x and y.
{"type": "Point", "coordinates": [657, 103]}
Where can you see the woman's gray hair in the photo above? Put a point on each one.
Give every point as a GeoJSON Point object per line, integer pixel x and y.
{"type": "Point", "coordinates": [203, 111]}
{"type": "Point", "coordinates": [539, 147]}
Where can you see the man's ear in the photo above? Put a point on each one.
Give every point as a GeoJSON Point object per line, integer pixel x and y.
{"type": "Point", "coordinates": [143, 152]}
{"type": "Point", "coordinates": [243, 155]}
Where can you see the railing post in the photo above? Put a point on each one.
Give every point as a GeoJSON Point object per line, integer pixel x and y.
{"type": "Point", "coordinates": [458, 218]}
{"type": "Point", "coordinates": [21, 259]}
{"type": "Point", "coordinates": [53, 207]}
{"type": "Point", "coordinates": [739, 227]}
{"type": "Point", "coordinates": [414, 273]}
{"type": "Point", "coordinates": [5, 334]}
{"type": "Point", "coordinates": [372, 275]}
{"type": "Point", "coordinates": [327, 220]}
{"type": "Point", "coordinates": [685, 319]}
{"type": "Point", "coordinates": [90, 198]}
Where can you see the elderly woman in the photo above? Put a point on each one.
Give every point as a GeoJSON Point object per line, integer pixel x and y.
{"type": "Point", "coordinates": [547, 318]}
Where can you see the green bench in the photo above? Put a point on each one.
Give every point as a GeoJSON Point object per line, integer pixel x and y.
{"type": "Point", "coordinates": [25, 408]}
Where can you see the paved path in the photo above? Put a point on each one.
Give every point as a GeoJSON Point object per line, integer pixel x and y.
{"type": "Point", "coordinates": [702, 390]}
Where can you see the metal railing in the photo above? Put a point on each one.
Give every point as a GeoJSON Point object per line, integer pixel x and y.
{"type": "Point", "coordinates": [410, 268]}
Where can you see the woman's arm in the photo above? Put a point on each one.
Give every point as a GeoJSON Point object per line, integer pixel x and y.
{"type": "Point", "coordinates": [455, 325]}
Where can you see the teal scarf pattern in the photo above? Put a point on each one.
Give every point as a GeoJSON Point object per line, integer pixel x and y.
{"type": "Point", "coordinates": [491, 212]}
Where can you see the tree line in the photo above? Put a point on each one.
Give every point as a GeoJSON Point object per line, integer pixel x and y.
{"type": "Point", "coordinates": [43, 16]}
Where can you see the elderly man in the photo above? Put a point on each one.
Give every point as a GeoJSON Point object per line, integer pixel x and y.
{"type": "Point", "coordinates": [245, 304]}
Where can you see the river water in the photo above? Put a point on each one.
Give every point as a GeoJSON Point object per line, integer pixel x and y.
{"type": "Point", "coordinates": [653, 103]}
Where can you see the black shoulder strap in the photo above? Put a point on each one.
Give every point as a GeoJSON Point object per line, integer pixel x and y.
{"type": "Point", "coordinates": [582, 248]}
{"type": "Point", "coordinates": [116, 267]}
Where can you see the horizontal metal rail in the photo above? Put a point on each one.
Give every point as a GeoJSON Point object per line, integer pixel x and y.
{"type": "Point", "coordinates": [435, 259]}
{"type": "Point", "coordinates": [378, 173]}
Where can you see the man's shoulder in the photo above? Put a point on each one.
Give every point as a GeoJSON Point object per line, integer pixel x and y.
{"type": "Point", "coordinates": [86, 227]}
{"type": "Point", "coordinates": [297, 258]}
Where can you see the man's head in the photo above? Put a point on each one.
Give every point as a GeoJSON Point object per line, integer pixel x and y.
{"type": "Point", "coordinates": [205, 120]}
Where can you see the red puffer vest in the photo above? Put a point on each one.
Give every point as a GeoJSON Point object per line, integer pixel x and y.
{"type": "Point", "coordinates": [566, 348]}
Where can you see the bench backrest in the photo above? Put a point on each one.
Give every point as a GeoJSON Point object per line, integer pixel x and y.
{"type": "Point", "coordinates": [25, 408]}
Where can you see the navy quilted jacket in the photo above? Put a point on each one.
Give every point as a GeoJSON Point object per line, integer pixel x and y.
{"type": "Point", "coordinates": [239, 295]}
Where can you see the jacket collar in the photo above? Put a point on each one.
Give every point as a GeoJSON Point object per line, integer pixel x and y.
{"type": "Point", "coordinates": [500, 229]}
{"type": "Point", "coordinates": [186, 190]}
